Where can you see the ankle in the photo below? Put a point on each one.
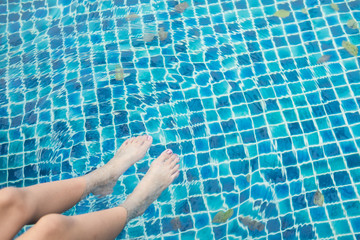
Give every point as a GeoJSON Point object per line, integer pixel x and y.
{"type": "Point", "coordinates": [133, 210]}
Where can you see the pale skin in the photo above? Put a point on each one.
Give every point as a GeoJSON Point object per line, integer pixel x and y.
{"type": "Point", "coordinates": [43, 204]}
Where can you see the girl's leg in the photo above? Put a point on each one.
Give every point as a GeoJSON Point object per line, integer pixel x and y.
{"type": "Point", "coordinates": [21, 206]}
{"type": "Point", "coordinates": [107, 224]}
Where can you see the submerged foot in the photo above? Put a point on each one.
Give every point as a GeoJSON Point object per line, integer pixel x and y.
{"type": "Point", "coordinates": [102, 180]}
{"type": "Point", "coordinates": [160, 175]}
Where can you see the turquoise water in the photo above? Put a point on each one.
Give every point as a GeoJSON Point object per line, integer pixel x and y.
{"type": "Point", "coordinates": [261, 105]}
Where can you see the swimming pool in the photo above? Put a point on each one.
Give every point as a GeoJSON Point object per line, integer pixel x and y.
{"type": "Point", "coordinates": [260, 98]}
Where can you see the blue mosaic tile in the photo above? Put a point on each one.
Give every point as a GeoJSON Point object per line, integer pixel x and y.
{"type": "Point", "coordinates": [237, 92]}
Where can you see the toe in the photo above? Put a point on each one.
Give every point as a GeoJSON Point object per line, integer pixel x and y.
{"type": "Point", "coordinates": [144, 138]}
{"type": "Point", "coordinates": [165, 155]}
{"type": "Point", "coordinates": [137, 139]}
{"type": "Point", "coordinates": [168, 153]}
{"type": "Point", "coordinates": [175, 175]}
{"type": "Point", "coordinates": [176, 161]}
{"type": "Point", "coordinates": [140, 140]}
{"type": "Point", "coordinates": [170, 159]}
{"type": "Point", "coordinates": [147, 140]}
{"type": "Point", "coordinates": [175, 169]}
{"type": "Point", "coordinates": [173, 160]}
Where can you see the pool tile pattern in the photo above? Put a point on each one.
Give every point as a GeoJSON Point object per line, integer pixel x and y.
{"type": "Point", "coordinates": [237, 92]}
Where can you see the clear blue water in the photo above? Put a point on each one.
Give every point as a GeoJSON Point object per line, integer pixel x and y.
{"type": "Point", "coordinates": [260, 124]}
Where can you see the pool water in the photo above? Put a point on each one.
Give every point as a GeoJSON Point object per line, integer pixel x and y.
{"type": "Point", "coordinates": [260, 98]}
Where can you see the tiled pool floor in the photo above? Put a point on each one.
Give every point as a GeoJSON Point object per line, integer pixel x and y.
{"type": "Point", "coordinates": [263, 109]}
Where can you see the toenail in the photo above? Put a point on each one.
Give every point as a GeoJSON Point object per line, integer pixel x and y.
{"type": "Point", "coordinates": [149, 137]}
{"type": "Point", "coordinates": [169, 151]}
